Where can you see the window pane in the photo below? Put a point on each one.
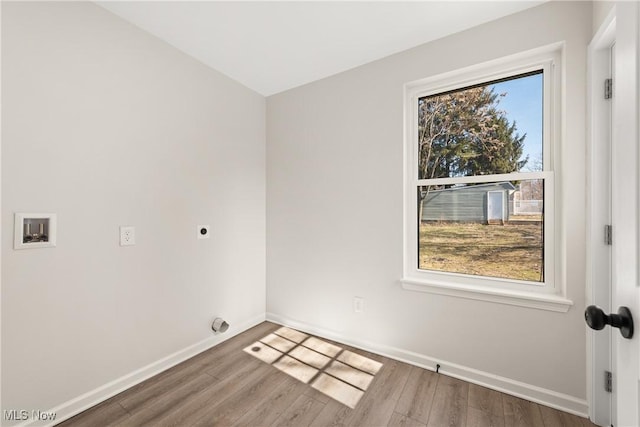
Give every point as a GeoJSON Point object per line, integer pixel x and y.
{"type": "Point", "coordinates": [494, 229]}
{"type": "Point", "coordinates": [481, 130]}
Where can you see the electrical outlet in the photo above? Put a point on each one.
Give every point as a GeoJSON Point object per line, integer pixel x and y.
{"type": "Point", "coordinates": [127, 236]}
{"type": "Point", "coordinates": [358, 305]}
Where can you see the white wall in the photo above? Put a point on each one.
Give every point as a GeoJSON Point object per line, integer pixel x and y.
{"type": "Point", "coordinates": [334, 217]}
{"type": "Point", "coordinates": [600, 11]}
{"type": "Point", "coordinates": [106, 125]}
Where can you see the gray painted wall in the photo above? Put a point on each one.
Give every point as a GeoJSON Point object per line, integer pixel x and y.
{"type": "Point", "coordinates": [81, 87]}
{"type": "Point", "coordinates": [335, 149]}
{"type": "Point", "coordinates": [106, 125]}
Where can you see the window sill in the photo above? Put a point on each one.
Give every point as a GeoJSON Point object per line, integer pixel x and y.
{"type": "Point", "coordinates": [550, 302]}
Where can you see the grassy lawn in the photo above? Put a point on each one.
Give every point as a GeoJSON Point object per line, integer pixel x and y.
{"type": "Point", "coordinates": [509, 251]}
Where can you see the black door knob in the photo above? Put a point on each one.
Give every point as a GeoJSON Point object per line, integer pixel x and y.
{"type": "Point", "coordinates": [596, 319]}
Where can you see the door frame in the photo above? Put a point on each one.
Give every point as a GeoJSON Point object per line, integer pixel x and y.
{"type": "Point", "coordinates": [598, 263]}
{"type": "Point", "coordinates": [625, 197]}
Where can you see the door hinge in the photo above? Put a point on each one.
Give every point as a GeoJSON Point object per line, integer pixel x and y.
{"type": "Point", "coordinates": [608, 235]}
{"type": "Point", "coordinates": [608, 88]}
{"type": "Point", "coordinates": [608, 381]}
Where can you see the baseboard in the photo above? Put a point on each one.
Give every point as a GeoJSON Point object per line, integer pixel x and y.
{"type": "Point", "coordinates": [553, 399]}
{"type": "Point", "coordinates": [100, 394]}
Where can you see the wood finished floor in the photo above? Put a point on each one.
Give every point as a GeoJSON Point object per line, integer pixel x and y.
{"type": "Point", "coordinates": [224, 386]}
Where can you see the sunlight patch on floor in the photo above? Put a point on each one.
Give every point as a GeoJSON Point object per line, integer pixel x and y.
{"type": "Point", "coordinates": [340, 374]}
{"type": "Point", "coordinates": [360, 362]}
{"type": "Point", "coordinates": [337, 390]}
{"type": "Point", "coordinates": [349, 375]}
{"type": "Point", "coordinates": [296, 369]}
{"type": "Point", "coordinates": [278, 343]}
{"type": "Point", "coordinates": [322, 347]}
{"type": "Point", "coordinates": [310, 357]}
{"type": "Point", "coordinates": [263, 352]}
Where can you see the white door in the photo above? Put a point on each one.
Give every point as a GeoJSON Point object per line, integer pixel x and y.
{"type": "Point", "coordinates": [495, 206]}
{"type": "Point", "coordinates": [625, 197]}
{"type": "Point", "coordinates": [613, 272]}
{"type": "Point", "coordinates": [599, 217]}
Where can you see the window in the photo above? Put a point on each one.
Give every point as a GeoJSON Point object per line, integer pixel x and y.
{"type": "Point", "coordinates": [480, 205]}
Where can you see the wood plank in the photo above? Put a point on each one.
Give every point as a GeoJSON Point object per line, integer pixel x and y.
{"type": "Point", "coordinates": [338, 390]}
{"type": "Point", "coordinates": [199, 404]}
{"type": "Point", "coordinates": [153, 411]}
{"type": "Point", "coordinates": [224, 386]}
{"type": "Point", "coordinates": [241, 402]}
{"type": "Point", "coordinates": [486, 400]}
{"type": "Point", "coordinates": [214, 355]}
{"type": "Point", "coordinates": [521, 413]}
{"type": "Point", "coordinates": [301, 413]}
{"type": "Point", "coordinates": [315, 394]}
{"type": "Point", "coordinates": [280, 398]}
{"type": "Point", "coordinates": [399, 420]}
{"type": "Point", "coordinates": [554, 418]}
{"type": "Point", "coordinates": [368, 354]}
{"type": "Point", "coordinates": [479, 418]}
{"type": "Point", "coordinates": [110, 413]}
{"type": "Point", "coordinates": [141, 395]}
{"type": "Point", "coordinates": [228, 366]}
{"type": "Point", "coordinates": [485, 407]}
{"type": "Point", "coordinates": [417, 397]}
{"type": "Point", "coordinates": [450, 403]}
{"type": "Point", "coordinates": [377, 405]}
{"type": "Point", "coordinates": [333, 414]}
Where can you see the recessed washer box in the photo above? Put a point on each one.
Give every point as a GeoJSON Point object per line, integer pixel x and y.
{"type": "Point", "coordinates": [34, 230]}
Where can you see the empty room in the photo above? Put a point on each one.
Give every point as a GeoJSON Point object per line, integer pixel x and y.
{"type": "Point", "coordinates": [320, 213]}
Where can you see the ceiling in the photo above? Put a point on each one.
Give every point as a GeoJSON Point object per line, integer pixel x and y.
{"type": "Point", "coordinates": [272, 46]}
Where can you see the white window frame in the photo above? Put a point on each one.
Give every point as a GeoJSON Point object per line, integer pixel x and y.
{"type": "Point", "coordinates": [547, 295]}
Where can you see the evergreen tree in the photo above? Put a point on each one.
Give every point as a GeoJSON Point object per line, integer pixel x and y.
{"type": "Point", "coordinates": [464, 133]}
